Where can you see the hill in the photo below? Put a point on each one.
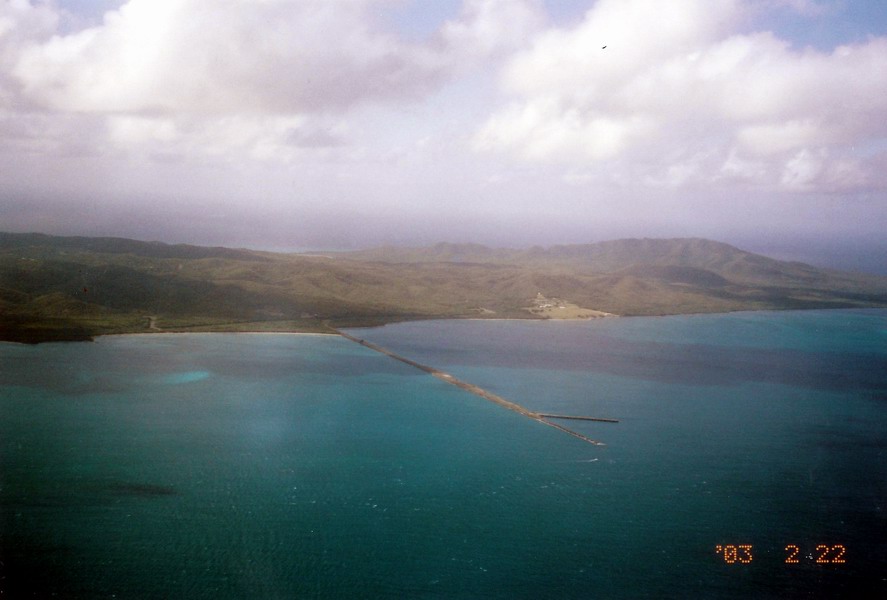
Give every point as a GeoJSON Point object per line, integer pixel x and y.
{"type": "Point", "coordinates": [75, 287]}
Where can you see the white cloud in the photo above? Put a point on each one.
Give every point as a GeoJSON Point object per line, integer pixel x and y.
{"type": "Point", "coordinates": [277, 56]}
{"type": "Point", "coordinates": [802, 169]}
{"type": "Point", "coordinates": [543, 129]}
{"type": "Point", "coordinates": [490, 27]}
{"type": "Point", "coordinates": [675, 82]}
{"type": "Point", "coordinates": [270, 79]}
{"type": "Point", "coordinates": [811, 171]}
{"type": "Point", "coordinates": [128, 130]}
{"type": "Point", "coordinates": [18, 19]}
{"type": "Point", "coordinates": [774, 138]}
{"type": "Point", "coordinates": [736, 168]}
{"type": "Point", "coordinates": [20, 23]}
{"type": "Point", "coordinates": [263, 138]}
{"type": "Point", "coordinates": [272, 56]}
{"type": "Point", "coordinates": [310, 104]}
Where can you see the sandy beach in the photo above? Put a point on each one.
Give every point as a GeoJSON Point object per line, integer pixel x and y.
{"type": "Point", "coordinates": [167, 333]}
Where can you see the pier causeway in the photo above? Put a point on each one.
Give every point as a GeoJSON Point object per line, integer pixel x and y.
{"type": "Point", "coordinates": [486, 395]}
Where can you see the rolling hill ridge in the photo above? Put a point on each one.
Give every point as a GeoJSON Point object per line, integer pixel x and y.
{"type": "Point", "coordinates": [54, 288]}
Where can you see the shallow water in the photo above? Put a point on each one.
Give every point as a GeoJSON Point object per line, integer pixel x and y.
{"type": "Point", "coordinates": [286, 466]}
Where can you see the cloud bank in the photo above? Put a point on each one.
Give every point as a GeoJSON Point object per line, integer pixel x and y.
{"type": "Point", "coordinates": [676, 98]}
{"type": "Point", "coordinates": [230, 56]}
{"type": "Point", "coordinates": [694, 114]}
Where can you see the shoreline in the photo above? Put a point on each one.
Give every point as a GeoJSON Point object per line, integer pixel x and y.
{"type": "Point", "coordinates": [535, 319]}
{"type": "Point", "coordinates": [43, 337]}
{"type": "Point", "coordinates": [167, 333]}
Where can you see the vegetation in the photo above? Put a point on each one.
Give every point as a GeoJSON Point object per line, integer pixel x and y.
{"type": "Point", "coordinates": [68, 288]}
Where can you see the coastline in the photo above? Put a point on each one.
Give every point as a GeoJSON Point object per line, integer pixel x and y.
{"type": "Point", "coordinates": [53, 337]}
{"type": "Point", "coordinates": [538, 319]}
{"type": "Point", "coordinates": [33, 336]}
{"type": "Point", "coordinates": [167, 333]}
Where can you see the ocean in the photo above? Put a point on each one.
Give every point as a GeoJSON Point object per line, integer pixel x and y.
{"type": "Point", "coordinates": [748, 461]}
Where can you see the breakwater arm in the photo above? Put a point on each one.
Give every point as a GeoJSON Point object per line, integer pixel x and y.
{"type": "Point", "coordinates": [578, 418]}
{"type": "Point", "coordinates": [477, 390]}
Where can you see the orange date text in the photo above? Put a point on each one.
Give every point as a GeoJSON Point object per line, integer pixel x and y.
{"type": "Point", "coordinates": [821, 554]}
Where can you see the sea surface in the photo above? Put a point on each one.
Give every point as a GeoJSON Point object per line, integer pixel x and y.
{"type": "Point", "coordinates": [284, 466]}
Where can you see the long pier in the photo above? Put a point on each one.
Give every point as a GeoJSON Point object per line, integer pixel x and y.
{"type": "Point", "coordinates": [479, 391]}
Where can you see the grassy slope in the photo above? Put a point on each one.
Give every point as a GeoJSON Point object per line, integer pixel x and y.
{"type": "Point", "coordinates": [73, 288]}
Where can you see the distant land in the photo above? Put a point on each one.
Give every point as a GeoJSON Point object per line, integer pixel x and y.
{"type": "Point", "coordinates": [74, 288]}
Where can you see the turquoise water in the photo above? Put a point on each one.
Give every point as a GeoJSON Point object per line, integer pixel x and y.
{"type": "Point", "coordinates": [233, 466]}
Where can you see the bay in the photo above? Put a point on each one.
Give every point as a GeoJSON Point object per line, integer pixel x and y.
{"type": "Point", "coordinates": [232, 466]}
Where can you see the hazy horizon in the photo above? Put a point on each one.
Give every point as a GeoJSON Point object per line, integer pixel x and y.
{"type": "Point", "coordinates": [353, 124]}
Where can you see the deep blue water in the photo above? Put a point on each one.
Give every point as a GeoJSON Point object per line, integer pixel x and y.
{"type": "Point", "coordinates": [234, 466]}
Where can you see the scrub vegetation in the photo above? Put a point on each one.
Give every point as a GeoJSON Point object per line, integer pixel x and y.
{"type": "Point", "coordinates": [73, 288]}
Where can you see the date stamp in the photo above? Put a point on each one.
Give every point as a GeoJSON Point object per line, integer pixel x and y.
{"type": "Point", "coordinates": [821, 554]}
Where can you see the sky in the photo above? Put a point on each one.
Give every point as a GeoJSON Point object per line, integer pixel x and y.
{"type": "Point", "coordinates": [295, 124]}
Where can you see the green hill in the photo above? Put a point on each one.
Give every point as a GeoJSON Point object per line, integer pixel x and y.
{"type": "Point", "coordinates": [76, 287]}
